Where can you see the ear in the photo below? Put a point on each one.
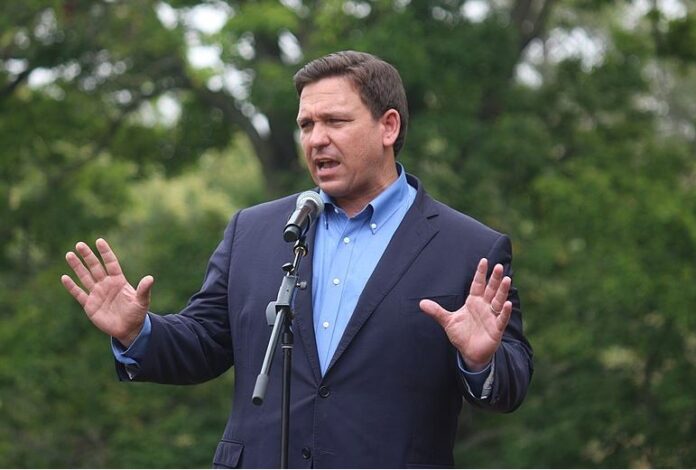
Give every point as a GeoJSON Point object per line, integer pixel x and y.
{"type": "Point", "coordinates": [391, 125]}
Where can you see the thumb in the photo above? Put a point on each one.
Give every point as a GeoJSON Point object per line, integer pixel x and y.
{"type": "Point", "coordinates": [142, 292]}
{"type": "Point", "coordinates": [434, 310]}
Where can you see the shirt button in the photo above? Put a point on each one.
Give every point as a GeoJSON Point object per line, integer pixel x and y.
{"type": "Point", "coordinates": [336, 281]}
{"type": "Point", "coordinates": [346, 240]}
{"type": "Point", "coordinates": [373, 226]}
{"type": "Point", "coordinates": [306, 453]}
{"type": "Point", "coordinates": [325, 324]}
{"type": "Point", "coordinates": [324, 391]}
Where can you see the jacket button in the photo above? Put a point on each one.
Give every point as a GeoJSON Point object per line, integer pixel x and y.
{"type": "Point", "coordinates": [324, 391]}
{"type": "Point", "coordinates": [306, 453]}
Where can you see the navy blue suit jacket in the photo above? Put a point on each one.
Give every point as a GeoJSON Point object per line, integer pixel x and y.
{"type": "Point", "coordinates": [392, 392]}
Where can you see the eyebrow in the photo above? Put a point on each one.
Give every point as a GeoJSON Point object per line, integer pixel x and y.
{"type": "Point", "coordinates": [324, 115]}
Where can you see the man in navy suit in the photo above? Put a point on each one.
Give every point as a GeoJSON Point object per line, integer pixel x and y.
{"type": "Point", "coordinates": [411, 305]}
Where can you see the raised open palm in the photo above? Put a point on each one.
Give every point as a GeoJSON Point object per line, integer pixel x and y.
{"type": "Point", "coordinates": [476, 329]}
{"type": "Point", "coordinates": [109, 301]}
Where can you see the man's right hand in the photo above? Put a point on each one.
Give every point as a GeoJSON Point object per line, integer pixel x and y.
{"type": "Point", "coordinates": [110, 302]}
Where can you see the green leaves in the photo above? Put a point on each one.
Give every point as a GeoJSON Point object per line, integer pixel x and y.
{"type": "Point", "coordinates": [108, 131]}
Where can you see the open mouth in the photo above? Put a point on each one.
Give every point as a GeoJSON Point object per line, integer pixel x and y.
{"type": "Point", "coordinates": [326, 164]}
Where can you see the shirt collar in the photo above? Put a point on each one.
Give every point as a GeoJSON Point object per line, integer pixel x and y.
{"type": "Point", "coordinates": [382, 207]}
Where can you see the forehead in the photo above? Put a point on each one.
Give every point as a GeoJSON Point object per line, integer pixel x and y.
{"type": "Point", "coordinates": [329, 93]}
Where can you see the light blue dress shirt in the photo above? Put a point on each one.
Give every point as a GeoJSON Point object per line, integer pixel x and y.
{"type": "Point", "coordinates": [346, 252]}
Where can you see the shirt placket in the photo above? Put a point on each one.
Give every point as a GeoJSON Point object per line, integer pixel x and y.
{"type": "Point", "coordinates": [337, 283]}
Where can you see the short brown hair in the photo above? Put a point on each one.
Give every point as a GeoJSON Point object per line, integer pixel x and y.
{"type": "Point", "coordinates": [378, 83]}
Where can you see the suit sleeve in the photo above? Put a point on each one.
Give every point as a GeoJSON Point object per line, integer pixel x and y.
{"type": "Point", "coordinates": [195, 345]}
{"type": "Point", "coordinates": [513, 361]}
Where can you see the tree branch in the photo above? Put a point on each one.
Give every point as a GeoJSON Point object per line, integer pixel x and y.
{"type": "Point", "coordinates": [233, 115]}
{"type": "Point", "coordinates": [8, 89]}
{"type": "Point", "coordinates": [530, 22]}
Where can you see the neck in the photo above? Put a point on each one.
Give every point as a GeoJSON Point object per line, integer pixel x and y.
{"type": "Point", "coordinates": [352, 207]}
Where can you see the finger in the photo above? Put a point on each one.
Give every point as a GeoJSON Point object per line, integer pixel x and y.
{"type": "Point", "coordinates": [110, 261]}
{"type": "Point", "coordinates": [501, 294]}
{"type": "Point", "coordinates": [493, 283]}
{"type": "Point", "coordinates": [143, 291]}
{"type": "Point", "coordinates": [81, 272]}
{"type": "Point", "coordinates": [93, 263]}
{"type": "Point", "coordinates": [74, 289]}
{"type": "Point", "coordinates": [435, 310]}
{"type": "Point", "coordinates": [504, 316]}
{"type": "Point", "coordinates": [478, 285]}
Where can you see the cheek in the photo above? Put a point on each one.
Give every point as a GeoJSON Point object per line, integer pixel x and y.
{"type": "Point", "coordinates": [306, 151]}
{"type": "Point", "coordinates": [366, 154]}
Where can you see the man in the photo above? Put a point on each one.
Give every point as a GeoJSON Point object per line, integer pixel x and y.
{"type": "Point", "coordinates": [400, 322]}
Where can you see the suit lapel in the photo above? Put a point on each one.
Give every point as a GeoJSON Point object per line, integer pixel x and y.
{"type": "Point", "coordinates": [303, 308]}
{"type": "Point", "coordinates": [413, 234]}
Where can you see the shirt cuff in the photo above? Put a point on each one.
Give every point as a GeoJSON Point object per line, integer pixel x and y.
{"type": "Point", "coordinates": [132, 355]}
{"type": "Point", "coordinates": [478, 384]}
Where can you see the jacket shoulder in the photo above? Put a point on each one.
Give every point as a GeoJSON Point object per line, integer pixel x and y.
{"type": "Point", "coordinates": [459, 223]}
{"type": "Point", "coordinates": [269, 208]}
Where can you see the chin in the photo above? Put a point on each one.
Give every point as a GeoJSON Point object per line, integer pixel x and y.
{"type": "Point", "coordinates": [332, 188]}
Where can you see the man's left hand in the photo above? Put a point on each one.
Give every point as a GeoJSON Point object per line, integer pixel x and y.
{"type": "Point", "coordinates": [476, 329]}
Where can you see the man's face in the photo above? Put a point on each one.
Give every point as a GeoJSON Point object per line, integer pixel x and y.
{"type": "Point", "coordinates": [349, 153]}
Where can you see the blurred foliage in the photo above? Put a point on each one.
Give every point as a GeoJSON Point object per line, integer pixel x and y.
{"type": "Point", "coordinates": [568, 124]}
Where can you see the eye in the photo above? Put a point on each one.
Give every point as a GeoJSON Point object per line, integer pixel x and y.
{"type": "Point", "coordinates": [305, 125]}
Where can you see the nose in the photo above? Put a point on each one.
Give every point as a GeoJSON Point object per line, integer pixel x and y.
{"type": "Point", "coordinates": [318, 136]}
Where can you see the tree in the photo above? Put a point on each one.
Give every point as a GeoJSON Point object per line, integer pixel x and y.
{"type": "Point", "coordinates": [585, 159]}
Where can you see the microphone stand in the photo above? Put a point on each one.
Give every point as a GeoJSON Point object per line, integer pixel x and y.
{"type": "Point", "coordinates": [279, 315]}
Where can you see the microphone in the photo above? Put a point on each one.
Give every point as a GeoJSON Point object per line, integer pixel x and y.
{"type": "Point", "coordinates": [309, 206]}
